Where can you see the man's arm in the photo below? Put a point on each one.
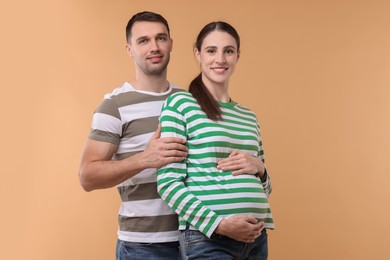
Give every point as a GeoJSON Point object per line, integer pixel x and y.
{"type": "Point", "coordinates": [98, 171]}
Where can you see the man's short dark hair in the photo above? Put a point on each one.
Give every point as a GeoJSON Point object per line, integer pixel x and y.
{"type": "Point", "coordinates": [145, 16]}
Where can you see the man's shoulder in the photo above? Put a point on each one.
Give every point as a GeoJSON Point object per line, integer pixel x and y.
{"type": "Point", "coordinates": [125, 88]}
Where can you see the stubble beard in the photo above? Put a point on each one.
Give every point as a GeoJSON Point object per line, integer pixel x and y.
{"type": "Point", "coordinates": [150, 70]}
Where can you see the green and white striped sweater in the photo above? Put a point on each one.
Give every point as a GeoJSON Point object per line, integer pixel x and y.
{"type": "Point", "coordinates": [201, 194]}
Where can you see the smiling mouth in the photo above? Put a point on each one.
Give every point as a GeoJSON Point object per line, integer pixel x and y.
{"type": "Point", "coordinates": [219, 69]}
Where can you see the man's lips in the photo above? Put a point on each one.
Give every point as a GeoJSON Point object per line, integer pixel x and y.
{"type": "Point", "coordinates": [155, 58]}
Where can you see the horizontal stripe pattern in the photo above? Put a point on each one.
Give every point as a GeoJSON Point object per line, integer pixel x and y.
{"type": "Point", "coordinates": [128, 118]}
{"type": "Point", "coordinates": [201, 194]}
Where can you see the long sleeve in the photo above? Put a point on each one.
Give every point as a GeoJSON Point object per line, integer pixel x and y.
{"type": "Point", "coordinates": [267, 185]}
{"type": "Point", "coordinates": [170, 180]}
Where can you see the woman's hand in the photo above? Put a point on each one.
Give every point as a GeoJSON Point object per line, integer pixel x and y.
{"type": "Point", "coordinates": [241, 228]}
{"type": "Point", "coordinates": [242, 163]}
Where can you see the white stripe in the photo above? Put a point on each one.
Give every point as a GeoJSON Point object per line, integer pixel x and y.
{"type": "Point", "coordinates": [226, 186]}
{"type": "Point", "coordinates": [106, 123]}
{"type": "Point", "coordinates": [232, 196]}
{"type": "Point", "coordinates": [204, 170]}
{"type": "Point", "coordinates": [126, 87]}
{"type": "Point", "coordinates": [209, 129]}
{"type": "Point", "coordinates": [218, 149]}
{"type": "Point", "coordinates": [210, 139]}
{"type": "Point", "coordinates": [239, 205]}
{"type": "Point", "coordinates": [205, 160]}
{"type": "Point", "coordinates": [174, 166]}
{"type": "Point", "coordinates": [140, 110]}
{"type": "Point", "coordinates": [148, 237]}
{"type": "Point", "coordinates": [142, 208]}
{"type": "Point", "coordinates": [256, 215]}
{"type": "Point", "coordinates": [134, 144]}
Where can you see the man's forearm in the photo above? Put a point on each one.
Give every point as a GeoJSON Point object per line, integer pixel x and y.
{"type": "Point", "coordinates": [106, 174]}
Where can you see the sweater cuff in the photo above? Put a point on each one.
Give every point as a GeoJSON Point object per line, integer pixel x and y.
{"type": "Point", "coordinates": [264, 177]}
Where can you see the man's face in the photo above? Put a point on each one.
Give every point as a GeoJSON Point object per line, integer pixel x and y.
{"type": "Point", "coordinates": [150, 46]}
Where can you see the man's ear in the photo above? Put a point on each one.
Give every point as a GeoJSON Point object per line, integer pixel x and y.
{"type": "Point", "coordinates": [129, 50]}
{"type": "Point", "coordinates": [171, 45]}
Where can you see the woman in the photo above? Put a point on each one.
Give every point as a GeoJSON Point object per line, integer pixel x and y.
{"type": "Point", "coordinates": [220, 191]}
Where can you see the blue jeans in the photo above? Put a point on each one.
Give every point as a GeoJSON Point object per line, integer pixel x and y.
{"type": "Point", "coordinates": [147, 251]}
{"type": "Point", "coordinates": [195, 245]}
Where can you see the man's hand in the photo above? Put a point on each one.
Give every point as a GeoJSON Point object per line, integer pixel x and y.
{"type": "Point", "coordinates": [241, 228]}
{"type": "Point", "coordinates": [161, 151]}
{"type": "Point", "coordinates": [241, 163]}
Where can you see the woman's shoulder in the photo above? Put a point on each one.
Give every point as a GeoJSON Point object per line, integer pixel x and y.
{"type": "Point", "coordinates": [179, 98]}
{"type": "Point", "coordinates": [245, 110]}
{"type": "Point", "coordinates": [180, 93]}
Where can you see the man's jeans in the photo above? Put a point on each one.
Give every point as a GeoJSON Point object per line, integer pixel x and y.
{"type": "Point", "coordinates": [195, 245]}
{"type": "Point", "coordinates": [147, 251]}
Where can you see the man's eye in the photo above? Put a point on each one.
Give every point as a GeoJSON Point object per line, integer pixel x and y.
{"type": "Point", "coordinates": [143, 41]}
{"type": "Point", "coordinates": [163, 39]}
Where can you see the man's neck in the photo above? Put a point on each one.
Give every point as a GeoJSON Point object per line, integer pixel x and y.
{"type": "Point", "coordinates": [149, 83]}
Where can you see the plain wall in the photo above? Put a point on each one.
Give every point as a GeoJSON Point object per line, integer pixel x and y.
{"type": "Point", "coordinates": [317, 73]}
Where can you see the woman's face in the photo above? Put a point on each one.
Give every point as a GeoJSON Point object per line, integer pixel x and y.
{"type": "Point", "coordinates": [217, 57]}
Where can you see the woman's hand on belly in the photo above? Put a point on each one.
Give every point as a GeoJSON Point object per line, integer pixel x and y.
{"type": "Point", "coordinates": [241, 163]}
{"type": "Point", "coordinates": [241, 228]}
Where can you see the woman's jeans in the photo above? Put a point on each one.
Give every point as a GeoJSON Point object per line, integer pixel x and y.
{"type": "Point", "coordinates": [147, 251]}
{"type": "Point", "coordinates": [195, 245]}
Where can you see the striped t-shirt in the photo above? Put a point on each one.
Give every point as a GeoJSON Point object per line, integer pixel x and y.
{"type": "Point", "coordinates": [201, 194]}
{"type": "Point", "coordinates": [128, 118]}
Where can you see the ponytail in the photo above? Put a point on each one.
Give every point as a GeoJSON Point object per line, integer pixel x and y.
{"type": "Point", "coordinates": [206, 101]}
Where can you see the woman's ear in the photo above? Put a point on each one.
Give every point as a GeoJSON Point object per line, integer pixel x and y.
{"type": "Point", "coordinates": [197, 54]}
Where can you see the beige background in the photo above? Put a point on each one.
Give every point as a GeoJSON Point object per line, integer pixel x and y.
{"type": "Point", "coordinates": [317, 73]}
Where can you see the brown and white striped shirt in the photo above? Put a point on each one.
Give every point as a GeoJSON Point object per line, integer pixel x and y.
{"type": "Point", "coordinates": [128, 118]}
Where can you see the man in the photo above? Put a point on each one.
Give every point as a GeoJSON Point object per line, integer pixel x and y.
{"type": "Point", "coordinates": [124, 148]}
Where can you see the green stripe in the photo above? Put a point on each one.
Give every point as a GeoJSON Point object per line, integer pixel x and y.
{"type": "Point", "coordinates": [242, 210]}
{"type": "Point", "coordinates": [211, 174]}
{"type": "Point", "coordinates": [234, 200]}
{"type": "Point", "coordinates": [225, 191]}
{"type": "Point", "coordinates": [221, 182]}
{"type": "Point", "coordinates": [226, 134]}
{"type": "Point", "coordinates": [202, 165]}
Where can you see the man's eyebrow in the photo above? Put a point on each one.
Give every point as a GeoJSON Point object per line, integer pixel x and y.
{"type": "Point", "coordinates": [163, 34]}
{"type": "Point", "coordinates": [147, 37]}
